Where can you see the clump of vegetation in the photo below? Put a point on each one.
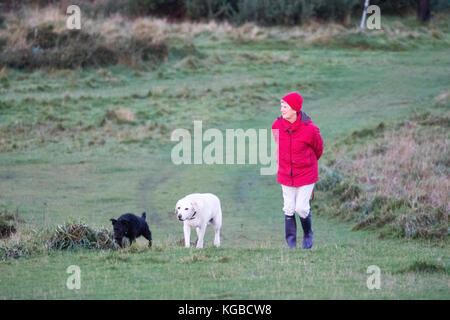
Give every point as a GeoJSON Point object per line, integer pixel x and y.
{"type": "Point", "coordinates": [367, 132]}
{"type": "Point", "coordinates": [43, 46]}
{"type": "Point", "coordinates": [329, 179]}
{"type": "Point", "coordinates": [68, 236]}
{"type": "Point", "coordinates": [421, 266]}
{"type": "Point", "coordinates": [346, 191]}
{"type": "Point", "coordinates": [8, 223]}
{"type": "Point", "coordinates": [22, 243]}
{"type": "Point", "coordinates": [6, 227]}
{"type": "Point", "coordinates": [429, 224]}
{"type": "Point", "coordinates": [17, 248]}
{"type": "Point", "coordinates": [73, 235]}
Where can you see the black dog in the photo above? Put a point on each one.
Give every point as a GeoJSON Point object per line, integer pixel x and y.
{"type": "Point", "coordinates": [131, 226]}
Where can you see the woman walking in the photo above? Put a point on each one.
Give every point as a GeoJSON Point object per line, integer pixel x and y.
{"type": "Point", "coordinates": [299, 148]}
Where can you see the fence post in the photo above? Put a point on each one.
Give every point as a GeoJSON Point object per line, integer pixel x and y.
{"type": "Point", "coordinates": [363, 20]}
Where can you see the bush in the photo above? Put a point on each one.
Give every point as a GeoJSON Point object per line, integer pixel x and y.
{"type": "Point", "coordinates": [22, 243]}
{"type": "Point", "coordinates": [346, 191]}
{"type": "Point", "coordinates": [432, 224]}
{"type": "Point", "coordinates": [398, 7]}
{"type": "Point", "coordinates": [73, 235]}
{"type": "Point", "coordinates": [403, 7]}
{"type": "Point", "coordinates": [338, 10]}
{"type": "Point", "coordinates": [135, 8]}
{"type": "Point", "coordinates": [76, 48]}
{"type": "Point", "coordinates": [266, 12]}
{"type": "Point", "coordinates": [289, 12]}
{"type": "Point", "coordinates": [68, 236]}
{"type": "Point", "coordinates": [329, 179]}
{"type": "Point", "coordinates": [17, 248]}
{"type": "Point", "coordinates": [8, 224]}
{"type": "Point", "coordinates": [211, 9]}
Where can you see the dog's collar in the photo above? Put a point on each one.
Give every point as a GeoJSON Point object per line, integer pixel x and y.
{"type": "Point", "coordinates": [192, 217]}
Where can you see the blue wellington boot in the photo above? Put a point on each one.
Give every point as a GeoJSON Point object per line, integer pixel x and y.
{"type": "Point", "coordinates": [307, 232]}
{"type": "Point", "coordinates": [290, 227]}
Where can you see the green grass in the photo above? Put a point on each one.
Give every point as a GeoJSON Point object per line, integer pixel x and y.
{"type": "Point", "coordinates": [51, 174]}
{"type": "Point", "coordinates": [332, 270]}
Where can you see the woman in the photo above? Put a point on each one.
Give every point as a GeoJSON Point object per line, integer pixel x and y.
{"type": "Point", "coordinates": [299, 148]}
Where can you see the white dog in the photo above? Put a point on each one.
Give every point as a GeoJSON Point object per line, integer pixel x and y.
{"type": "Point", "coordinates": [197, 210]}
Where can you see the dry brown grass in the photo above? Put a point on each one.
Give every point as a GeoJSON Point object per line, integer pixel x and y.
{"type": "Point", "coordinates": [407, 164]}
{"type": "Point", "coordinates": [394, 178]}
{"type": "Point", "coordinates": [39, 38]}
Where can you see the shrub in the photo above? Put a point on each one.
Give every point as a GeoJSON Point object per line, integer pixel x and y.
{"type": "Point", "coordinates": [363, 133]}
{"type": "Point", "coordinates": [135, 8]}
{"type": "Point", "coordinates": [6, 230]}
{"type": "Point", "coordinates": [21, 244]}
{"type": "Point", "coordinates": [16, 249]}
{"type": "Point", "coordinates": [338, 10]}
{"type": "Point", "coordinates": [347, 191]}
{"type": "Point", "coordinates": [403, 7]}
{"type": "Point", "coordinates": [267, 12]}
{"type": "Point", "coordinates": [69, 236]}
{"type": "Point", "coordinates": [8, 224]}
{"type": "Point", "coordinates": [75, 48]}
{"type": "Point", "coordinates": [329, 179]}
{"type": "Point", "coordinates": [398, 7]}
{"type": "Point", "coordinates": [73, 235]}
{"type": "Point", "coordinates": [431, 224]}
{"type": "Point", "coordinates": [211, 9]}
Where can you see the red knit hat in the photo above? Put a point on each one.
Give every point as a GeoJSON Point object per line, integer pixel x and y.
{"type": "Point", "coordinates": [294, 100]}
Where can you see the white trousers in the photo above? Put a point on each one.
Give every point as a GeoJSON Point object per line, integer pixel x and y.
{"type": "Point", "coordinates": [296, 199]}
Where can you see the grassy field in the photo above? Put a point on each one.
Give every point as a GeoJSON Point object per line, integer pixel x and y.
{"type": "Point", "coordinates": [62, 156]}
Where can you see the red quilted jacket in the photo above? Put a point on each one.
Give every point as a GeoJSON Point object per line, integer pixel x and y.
{"type": "Point", "coordinates": [299, 148]}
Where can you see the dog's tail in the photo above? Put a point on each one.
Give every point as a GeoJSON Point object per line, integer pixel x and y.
{"type": "Point", "coordinates": [144, 215]}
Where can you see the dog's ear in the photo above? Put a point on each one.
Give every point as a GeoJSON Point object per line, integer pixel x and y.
{"type": "Point", "coordinates": [195, 205]}
{"type": "Point", "coordinates": [144, 215]}
{"type": "Point", "coordinates": [113, 221]}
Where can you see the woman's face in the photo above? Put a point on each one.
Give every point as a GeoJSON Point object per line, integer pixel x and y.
{"type": "Point", "coordinates": [287, 112]}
